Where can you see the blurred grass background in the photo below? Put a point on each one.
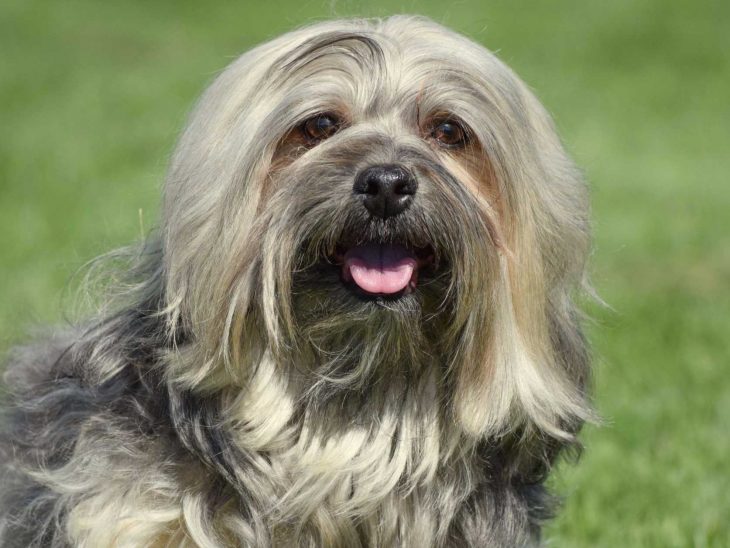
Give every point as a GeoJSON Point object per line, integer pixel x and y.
{"type": "Point", "coordinates": [92, 95]}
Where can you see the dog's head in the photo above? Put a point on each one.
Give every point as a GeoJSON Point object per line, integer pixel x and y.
{"type": "Point", "coordinates": [369, 202]}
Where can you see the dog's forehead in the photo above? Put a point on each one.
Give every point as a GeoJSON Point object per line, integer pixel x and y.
{"type": "Point", "coordinates": [371, 71]}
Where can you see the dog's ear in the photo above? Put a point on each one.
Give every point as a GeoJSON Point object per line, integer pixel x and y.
{"type": "Point", "coordinates": [533, 360]}
{"type": "Point", "coordinates": [211, 202]}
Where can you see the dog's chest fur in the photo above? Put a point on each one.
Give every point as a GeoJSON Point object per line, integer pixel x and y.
{"type": "Point", "coordinates": [388, 471]}
{"type": "Point", "coordinates": [273, 475]}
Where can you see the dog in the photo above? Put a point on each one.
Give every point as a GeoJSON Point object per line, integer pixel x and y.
{"type": "Point", "coordinates": [355, 325]}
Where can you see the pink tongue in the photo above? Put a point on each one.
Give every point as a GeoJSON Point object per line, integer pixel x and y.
{"type": "Point", "coordinates": [375, 268]}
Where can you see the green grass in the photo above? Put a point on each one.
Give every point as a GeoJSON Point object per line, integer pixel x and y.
{"type": "Point", "coordinates": [92, 95]}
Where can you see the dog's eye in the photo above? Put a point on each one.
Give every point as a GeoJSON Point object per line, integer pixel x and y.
{"type": "Point", "coordinates": [321, 127]}
{"type": "Point", "coordinates": [449, 133]}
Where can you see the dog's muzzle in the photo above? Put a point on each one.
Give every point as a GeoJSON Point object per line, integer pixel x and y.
{"type": "Point", "coordinates": [376, 268]}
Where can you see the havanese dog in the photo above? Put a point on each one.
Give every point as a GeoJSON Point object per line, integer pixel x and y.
{"type": "Point", "coordinates": [355, 325]}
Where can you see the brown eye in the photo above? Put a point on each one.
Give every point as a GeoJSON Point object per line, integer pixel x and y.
{"type": "Point", "coordinates": [320, 127]}
{"type": "Point", "coordinates": [449, 133]}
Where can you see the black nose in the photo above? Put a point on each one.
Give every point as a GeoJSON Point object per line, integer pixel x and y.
{"type": "Point", "coordinates": [385, 190]}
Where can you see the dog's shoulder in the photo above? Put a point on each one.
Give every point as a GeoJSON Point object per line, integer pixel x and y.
{"type": "Point", "coordinates": [37, 394]}
{"type": "Point", "coordinates": [61, 429]}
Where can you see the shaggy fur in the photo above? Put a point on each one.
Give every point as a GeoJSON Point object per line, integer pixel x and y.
{"type": "Point", "coordinates": [238, 393]}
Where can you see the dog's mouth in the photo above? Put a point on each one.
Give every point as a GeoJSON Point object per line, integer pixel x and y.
{"type": "Point", "coordinates": [382, 269]}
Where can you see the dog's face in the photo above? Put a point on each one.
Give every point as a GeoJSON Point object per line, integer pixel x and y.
{"type": "Point", "coordinates": [385, 198]}
{"type": "Point", "coordinates": [364, 202]}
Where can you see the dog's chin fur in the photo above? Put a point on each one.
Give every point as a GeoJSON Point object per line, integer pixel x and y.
{"type": "Point", "coordinates": [242, 391]}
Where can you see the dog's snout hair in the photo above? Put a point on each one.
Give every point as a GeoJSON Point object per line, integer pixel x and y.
{"type": "Point", "coordinates": [355, 326]}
